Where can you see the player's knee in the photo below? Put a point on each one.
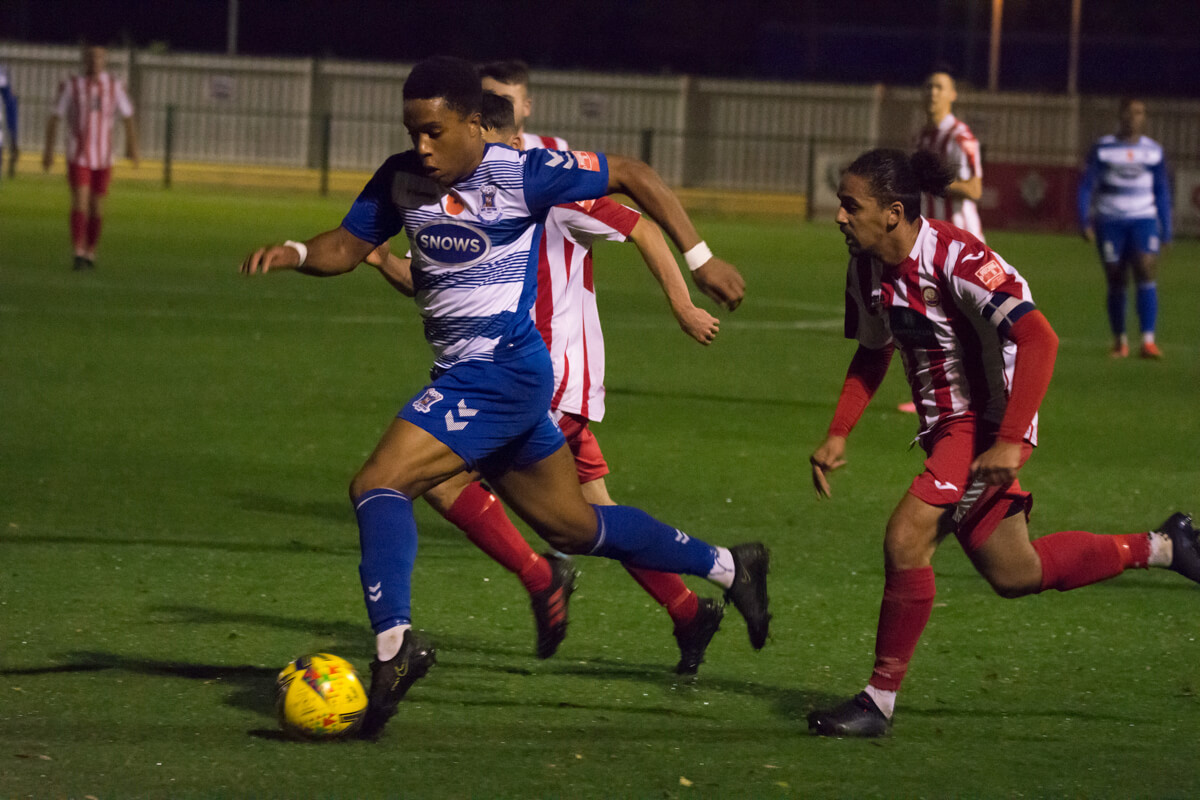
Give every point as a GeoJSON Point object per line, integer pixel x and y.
{"type": "Point", "coordinates": [574, 535]}
{"type": "Point", "coordinates": [1012, 584]}
{"type": "Point", "coordinates": [905, 547]}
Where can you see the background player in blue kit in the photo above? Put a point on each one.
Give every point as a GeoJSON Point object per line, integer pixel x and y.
{"type": "Point", "coordinates": [473, 214]}
{"type": "Point", "coordinates": [8, 107]}
{"type": "Point", "coordinates": [1125, 207]}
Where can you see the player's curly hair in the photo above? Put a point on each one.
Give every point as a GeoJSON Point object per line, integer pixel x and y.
{"type": "Point", "coordinates": [452, 79]}
{"type": "Point", "coordinates": [894, 175]}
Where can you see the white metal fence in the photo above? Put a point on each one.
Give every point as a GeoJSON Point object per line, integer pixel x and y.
{"type": "Point", "coordinates": [721, 134]}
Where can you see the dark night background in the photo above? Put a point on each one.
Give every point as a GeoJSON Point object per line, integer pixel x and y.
{"type": "Point", "coordinates": [1150, 47]}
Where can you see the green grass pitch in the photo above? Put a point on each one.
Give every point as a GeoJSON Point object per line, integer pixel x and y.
{"type": "Point", "coordinates": [176, 442]}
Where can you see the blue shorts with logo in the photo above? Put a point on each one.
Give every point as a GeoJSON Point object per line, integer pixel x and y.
{"type": "Point", "coordinates": [1119, 239]}
{"type": "Point", "coordinates": [493, 415]}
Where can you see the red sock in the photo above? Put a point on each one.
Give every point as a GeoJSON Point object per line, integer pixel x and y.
{"type": "Point", "coordinates": [907, 602]}
{"type": "Point", "coordinates": [669, 590]}
{"type": "Point", "coordinates": [94, 224]}
{"type": "Point", "coordinates": [79, 226]}
{"type": "Point", "coordinates": [1071, 559]}
{"type": "Point", "coordinates": [480, 515]}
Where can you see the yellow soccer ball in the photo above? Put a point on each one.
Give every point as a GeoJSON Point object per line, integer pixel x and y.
{"type": "Point", "coordinates": [319, 696]}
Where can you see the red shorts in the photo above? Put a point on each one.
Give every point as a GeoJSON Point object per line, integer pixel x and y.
{"type": "Point", "coordinates": [951, 447]}
{"type": "Point", "coordinates": [96, 179]}
{"type": "Point", "coordinates": [589, 461]}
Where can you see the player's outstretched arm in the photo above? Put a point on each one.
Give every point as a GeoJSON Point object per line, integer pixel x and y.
{"type": "Point", "coordinates": [331, 253]}
{"type": "Point", "coordinates": [718, 279]}
{"type": "Point", "coordinates": [395, 270]}
{"type": "Point", "coordinates": [695, 322]}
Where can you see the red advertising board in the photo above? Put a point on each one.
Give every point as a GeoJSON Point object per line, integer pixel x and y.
{"type": "Point", "coordinates": [1029, 197]}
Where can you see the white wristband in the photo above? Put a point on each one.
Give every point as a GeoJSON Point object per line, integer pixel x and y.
{"type": "Point", "coordinates": [299, 247]}
{"type": "Point", "coordinates": [698, 256]}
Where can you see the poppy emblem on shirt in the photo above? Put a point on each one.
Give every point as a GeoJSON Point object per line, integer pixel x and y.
{"type": "Point", "coordinates": [453, 205]}
{"type": "Point", "coordinates": [931, 297]}
{"type": "Point", "coordinates": [990, 274]}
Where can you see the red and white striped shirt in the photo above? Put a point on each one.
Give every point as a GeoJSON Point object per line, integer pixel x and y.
{"type": "Point", "coordinates": [565, 311]}
{"type": "Point", "coordinates": [953, 141]}
{"type": "Point", "coordinates": [530, 141]}
{"type": "Point", "coordinates": [947, 308]}
{"type": "Point", "coordinates": [89, 106]}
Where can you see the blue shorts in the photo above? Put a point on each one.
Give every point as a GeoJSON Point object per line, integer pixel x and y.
{"type": "Point", "coordinates": [494, 415]}
{"type": "Point", "coordinates": [1119, 239]}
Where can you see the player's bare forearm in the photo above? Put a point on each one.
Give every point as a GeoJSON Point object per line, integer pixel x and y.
{"type": "Point", "coordinates": [970, 189]}
{"type": "Point", "coordinates": [695, 322]}
{"type": "Point", "coordinates": [395, 270]}
{"type": "Point", "coordinates": [639, 180]}
{"type": "Point", "coordinates": [330, 253]}
{"type": "Point", "coordinates": [715, 278]}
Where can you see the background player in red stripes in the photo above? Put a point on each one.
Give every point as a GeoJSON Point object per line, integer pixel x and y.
{"type": "Point", "coordinates": [979, 355]}
{"type": "Point", "coordinates": [949, 138]}
{"type": "Point", "coordinates": [89, 103]}
{"type": "Point", "coordinates": [510, 79]}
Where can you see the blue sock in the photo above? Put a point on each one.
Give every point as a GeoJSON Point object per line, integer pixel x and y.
{"type": "Point", "coordinates": [1116, 311]}
{"type": "Point", "coordinates": [1147, 305]}
{"type": "Point", "coordinates": [387, 537]}
{"type": "Point", "coordinates": [637, 539]}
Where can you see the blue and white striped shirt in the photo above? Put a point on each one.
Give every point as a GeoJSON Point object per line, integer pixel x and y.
{"type": "Point", "coordinates": [475, 244]}
{"type": "Point", "coordinates": [1126, 180]}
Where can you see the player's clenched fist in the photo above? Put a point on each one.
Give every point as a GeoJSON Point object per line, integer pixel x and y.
{"type": "Point", "coordinates": [721, 281]}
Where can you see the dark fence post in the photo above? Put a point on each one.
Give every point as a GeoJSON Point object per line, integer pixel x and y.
{"type": "Point", "coordinates": [168, 146]}
{"type": "Point", "coordinates": [326, 141]}
{"type": "Point", "coordinates": [647, 144]}
{"type": "Point", "coordinates": [810, 181]}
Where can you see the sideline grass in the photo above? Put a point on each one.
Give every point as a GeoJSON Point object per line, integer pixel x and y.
{"type": "Point", "coordinates": [176, 445]}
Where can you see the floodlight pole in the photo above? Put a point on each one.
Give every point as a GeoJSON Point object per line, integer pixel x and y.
{"type": "Point", "coordinates": [1073, 58]}
{"type": "Point", "coordinates": [994, 53]}
{"type": "Point", "coordinates": [231, 28]}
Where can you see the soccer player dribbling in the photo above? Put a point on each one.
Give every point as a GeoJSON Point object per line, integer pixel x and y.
{"type": "Point", "coordinates": [471, 213]}
{"type": "Point", "coordinates": [1125, 208]}
{"type": "Point", "coordinates": [89, 103]}
{"type": "Point", "coordinates": [567, 317]}
{"type": "Point", "coordinates": [979, 355]}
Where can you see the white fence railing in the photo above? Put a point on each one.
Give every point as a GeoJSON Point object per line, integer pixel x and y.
{"type": "Point", "coordinates": [723, 134]}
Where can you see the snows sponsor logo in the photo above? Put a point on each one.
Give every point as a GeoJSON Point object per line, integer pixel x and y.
{"type": "Point", "coordinates": [452, 244]}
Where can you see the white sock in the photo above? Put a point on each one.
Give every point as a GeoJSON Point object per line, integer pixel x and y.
{"type": "Point", "coordinates": [1147, 337]}
{"type": "Point", "coordinates": [1162, 550]}
{"type": "Point", "coordinates": [883, 698]}
{"type": "Point", "coordinates": [722, 568]}
{"type": "Point", "coordinates": [387, 643]}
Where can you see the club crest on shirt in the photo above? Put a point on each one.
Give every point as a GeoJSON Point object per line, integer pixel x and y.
{"type": "Point", "coordinates": [425, 401]}
{"type": "Point", "coordinates": [488, 211]}
{"type": "Point", "coordinates": [451, 243]}
{"type": "Point", "coordinates": [931, 297]}
{"type": "Point", "coordinates": [990, 274]}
